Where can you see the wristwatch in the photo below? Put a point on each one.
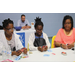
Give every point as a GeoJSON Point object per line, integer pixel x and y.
{"type": "Point", "coordinates": [61, 45]}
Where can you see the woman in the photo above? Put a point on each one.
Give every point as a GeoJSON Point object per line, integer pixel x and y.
{"type": "Point", "coordinates": [65, 37]}
{"type": "Point", "coordinates": [10, 39]}
{"type": "Point", "coordinates": [38, 40]}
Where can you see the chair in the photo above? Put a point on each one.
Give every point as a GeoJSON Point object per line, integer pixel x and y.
{"type": "Point", "coordinates": [52, 43]}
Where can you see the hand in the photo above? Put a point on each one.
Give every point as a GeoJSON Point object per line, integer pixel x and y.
{"type": "Point", "coordinates": [27, 27]}
{"type": "Point", "coordinates": [64, 46]}
{"type": "Point", "coordinates": [70, 46]}
{"type": "Point", "coordinates": [13, 53]}
{"type": "Point", "coordinates": [40, 48]}
{"type": "Point", "coordinates": [16, 53]}
{"type": "Point", "coordinates": [45, 48]}
{"type": "Point", "coordinates": [25, 51]}
{"type": "Point", "coordinates": [24, 27]}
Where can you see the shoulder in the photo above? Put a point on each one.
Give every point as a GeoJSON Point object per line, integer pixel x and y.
{"type": "Point", "coordinates": [44, 34]}
{"type": "Point", "coordinates": [16, 35]}
{"type": "Point", "coordinates": [32, 34]}
{"type": "Point", "coordinates": [2, 33]}
{"type": "Point", "coordinates": [74, 29]}
{"type": "Point", "coordinates": [60, 30]}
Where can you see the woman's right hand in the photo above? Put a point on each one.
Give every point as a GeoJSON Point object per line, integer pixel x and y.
{"type": "Point", "coordinates": [17, 52]}
{"type": "Point", "coordinates": [40, 48]}
{"type": "Point", "coordinates": [64, 46]}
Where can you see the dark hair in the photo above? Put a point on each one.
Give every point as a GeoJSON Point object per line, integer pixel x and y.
{"type": "Point", "coordinates": [6, 22]}
{"type": "Point", "coordinates": [38, 22]}
{"type": "Point", "coordinates": [22, 15]}
{"type": "Point", "coordinates": [65, 18]}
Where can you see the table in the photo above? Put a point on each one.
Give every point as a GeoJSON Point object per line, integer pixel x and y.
{"type": "Point", "coordinates": [24, 35]}
{"type": "Point", "coordinates": [37, 56]}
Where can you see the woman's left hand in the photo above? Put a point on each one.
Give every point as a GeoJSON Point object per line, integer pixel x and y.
{"type": "Point", "coordinates": [70, 46]}
{"type": "Point", "coordinates": [25, 51]}
{"type": "Point", "coordinates": [45, 48]}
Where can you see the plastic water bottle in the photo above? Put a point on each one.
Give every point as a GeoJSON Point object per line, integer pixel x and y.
{"type": "Point", "coordinates": [9, 53]}
{"type": "Point", "coordinates": [4, 57]}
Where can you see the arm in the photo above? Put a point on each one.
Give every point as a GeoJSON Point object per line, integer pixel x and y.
{"type": "Point", "coordinates": [58, 40]}
{"type": "Point", "coordinates": [57, 44]}
{"type": "Point", "coordinates": [43, 48]}
{"type": "Point", "coordinates": [31, 41]}
{"type": "Point", "coordinates": [28, 24]}
{"type": "Point", "coordinates": [19, 47]}
{"type": "Point", "coordinates": [71, 45]}
{"type": "Point", "coordinates": [47, 41]}
{"type": "Point", "coordinates": [24, 50]}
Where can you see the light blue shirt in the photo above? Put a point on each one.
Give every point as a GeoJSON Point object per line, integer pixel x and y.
{"type": "Point", "coordinates": [39, 37]}
{"type": "Point", "coordinates": [20, 23]}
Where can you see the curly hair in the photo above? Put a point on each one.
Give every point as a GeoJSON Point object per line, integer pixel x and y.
{"type": "Point", "coordinates": [6, 22]}
{"type": "Point", "coordinates": [38, 22]}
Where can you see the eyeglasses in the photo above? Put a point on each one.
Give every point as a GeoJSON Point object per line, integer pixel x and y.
{"type": "Point", "coordinates": [67, 23]}
{"type": "Point", "coordinates": [9, 29]}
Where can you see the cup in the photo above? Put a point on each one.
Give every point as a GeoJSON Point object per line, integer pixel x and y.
{"type": "Point", "coordinates": [32, 25]}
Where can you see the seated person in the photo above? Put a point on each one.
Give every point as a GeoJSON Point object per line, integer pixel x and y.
{"type": "Point", "coordinates": [24, 23]}
{"type": "Point", "coordinates": [65, 37]}
{"type": "Point", "coordinates": [10, 39]}
{"type": "Point", "coordinates": [38, 40]}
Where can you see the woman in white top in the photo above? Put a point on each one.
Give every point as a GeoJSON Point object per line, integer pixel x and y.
{"type": "Point", "coordinates": [10, 39]}
{"type": "Point", "coordinates": [39, 40]}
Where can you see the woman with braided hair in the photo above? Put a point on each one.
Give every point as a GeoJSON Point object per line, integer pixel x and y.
{"type": "Point", "coordinates": [38, 40]}
{"type": "Point", "coordinates": [10, 39]}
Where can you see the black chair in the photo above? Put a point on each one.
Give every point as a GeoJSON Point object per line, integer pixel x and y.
{"type": "Point", "coordinates": [1, 27]}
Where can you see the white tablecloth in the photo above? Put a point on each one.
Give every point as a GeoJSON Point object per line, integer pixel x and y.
{"type": "Point", "coordinates": [27, 34]}
{"type": "Point", "coordinates": [38, 56]}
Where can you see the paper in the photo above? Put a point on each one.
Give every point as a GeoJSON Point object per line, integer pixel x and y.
{"type": "Point", "coordinates": [30, 52]}
{"type": "Point", "coordinates": [18, 58]}
{"type": "Point", "coordinates": [53, 53]}
{"type": "Point", "coordinates": [49, 50]}
{"type": "Point", "coordinates": [46, 55]}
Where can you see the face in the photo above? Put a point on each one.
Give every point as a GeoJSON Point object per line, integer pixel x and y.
{"type": "Point", "coordinates": [67, 25]}
{"type": "Point", "coordinates": [39, 29]}
{"type": "Point", "coordinates": [23, 18]}
{"type": "Point", "coordinates": [9, 29]}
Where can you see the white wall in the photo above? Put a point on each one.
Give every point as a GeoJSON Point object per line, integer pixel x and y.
{"type": "Point", "coordinates": [52, 21]}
